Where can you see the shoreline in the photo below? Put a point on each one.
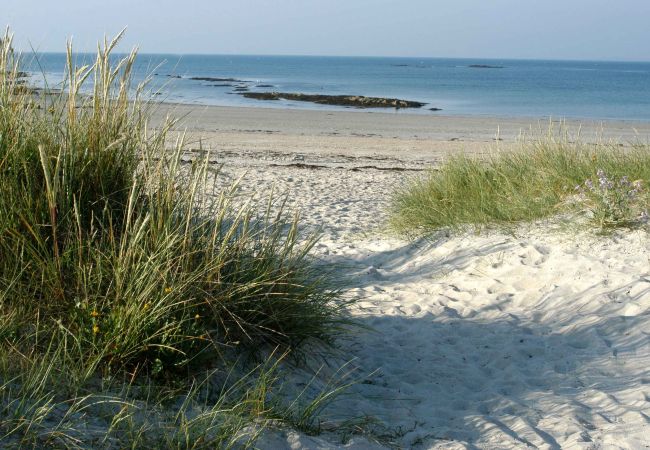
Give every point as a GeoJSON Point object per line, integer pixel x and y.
{"type": "Point", "coordinates": [404, 115]}
{"type": "Point", "coordinates": [423, 112]}
{"type": "Point", "coordinates": [347, 138]}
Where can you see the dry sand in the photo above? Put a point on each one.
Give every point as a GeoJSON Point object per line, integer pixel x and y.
{"type": "Point", "coordinates": [539, 339]}
{"type": "Point", "coordinates": [397, 136]}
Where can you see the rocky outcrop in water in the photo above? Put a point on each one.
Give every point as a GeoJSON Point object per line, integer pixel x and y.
{"type": "Point", "coordinates": [358, 101]}
{"type": "Point", "coordinates": [216, 80]}
{"type": "Point", "coordinates": [485, 66]}
{"type": "Point", "coordinates": [16, 75]}
{"type": "Point", "coordinates": [417, 66]}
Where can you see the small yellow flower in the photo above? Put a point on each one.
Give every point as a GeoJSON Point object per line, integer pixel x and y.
{"type": "Point", "coordinates": [146, 306]}
{"type": "Point", "coordinates": [95, 329]}
{"type": "Point", "coordinates": [94, 313]}
{"type": "Point", "coordinates": [168, 290]}
{"type": "Point", "coordinates": [197, 317]}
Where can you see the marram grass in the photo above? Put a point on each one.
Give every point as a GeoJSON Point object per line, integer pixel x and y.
{"type": "Point", "coordinates": [117, 263]}
{"type": "Point", "coordinates": [536, 181]}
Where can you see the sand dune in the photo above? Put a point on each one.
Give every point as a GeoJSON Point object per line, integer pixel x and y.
{"type": "Point", "coordinates": [504, 342]}
{"type": "Point", "coordinates": [537, 339]}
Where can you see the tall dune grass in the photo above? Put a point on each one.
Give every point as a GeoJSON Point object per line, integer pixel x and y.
{"type": "Point", "coordinates": [117, 262]}
{"type": "Point", "coordinates": [533, 182]}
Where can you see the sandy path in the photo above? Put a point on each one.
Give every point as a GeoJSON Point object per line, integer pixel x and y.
{"type": "Point", "coordinates": [505, 342]}
{"type": "Point", "coordinates": [539, 340]}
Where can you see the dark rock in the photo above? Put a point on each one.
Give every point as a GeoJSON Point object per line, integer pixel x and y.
{"type": "Point", "coordinates": [174, 76]}
{"type": "Point", "coordinates": [213, 79]}
{"type": "Point", "coordinates": [417, 66]}
{"type": "Point", "coordinates": [485, 66]}
{"type": "Point", "coordinates": [264, 86]}
{"type": "Point", "coordinates": [435, 109]}
{"type": "Point", "coordinates": [221, 85]}
{"type": "Point", "coordinates": [18, 74]}
{"type": "Point", "coordinates": [21, 89]}
{"type": "Point", "coordinates": [241, 89]}
{"type": "Point", "coordinates": [262, 95]}
{"type": "Point", "coordinates": [358, 101]}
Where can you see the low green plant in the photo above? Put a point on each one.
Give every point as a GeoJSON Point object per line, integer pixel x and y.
{"type": "Point", "coordinates": [39, 408]}
{"type": "Point", "coordinates": [614, 203]}
{"type": "Point", "coordinates": [533, 182]}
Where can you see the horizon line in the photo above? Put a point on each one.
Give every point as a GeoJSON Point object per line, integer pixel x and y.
{"type": "Point", "coordinates": [285, 55]}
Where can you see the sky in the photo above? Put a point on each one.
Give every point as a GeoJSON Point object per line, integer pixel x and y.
{"type": "Point", "coordinates": [528, 29]}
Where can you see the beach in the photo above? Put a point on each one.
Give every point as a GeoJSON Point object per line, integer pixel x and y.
{"type": "Point", "coordinates": [355, 133]}
{"type": "Point", "coordinates": [356, 226]}
{"type": "Point", "coordinates": [536, 338]}
{"type": "Point", "coordinates": [340, 168]}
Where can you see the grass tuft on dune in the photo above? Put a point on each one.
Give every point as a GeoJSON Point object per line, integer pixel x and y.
{"type": "Point", "coordinates": [117, 262]}
{"type": "Point", "coordinates": [544, 178]}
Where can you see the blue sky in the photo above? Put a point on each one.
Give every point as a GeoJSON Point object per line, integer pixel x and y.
{"type": "Point", "coordinates": [549, 29]}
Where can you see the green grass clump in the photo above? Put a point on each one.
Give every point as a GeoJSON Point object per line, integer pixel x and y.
{"type": "Point", "coordinates": [116, 258]}
{"type": "Point", "coordinates": [537, 181]}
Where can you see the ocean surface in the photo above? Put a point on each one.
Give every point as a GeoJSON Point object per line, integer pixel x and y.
{"type": "Point", "coordinates": [526, 88]}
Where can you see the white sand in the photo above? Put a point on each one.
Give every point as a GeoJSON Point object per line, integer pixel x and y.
{"type": "Point", "coordinates": [491, 341]}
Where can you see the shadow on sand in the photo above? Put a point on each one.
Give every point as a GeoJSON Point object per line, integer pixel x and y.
{"type": "Point", "coordinates": [548, 377]}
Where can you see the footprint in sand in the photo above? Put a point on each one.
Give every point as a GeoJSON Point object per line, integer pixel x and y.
{"type": "Point", "coordinates": [534, 255]}
{"type": "Point", "coordinates": [412, 309]}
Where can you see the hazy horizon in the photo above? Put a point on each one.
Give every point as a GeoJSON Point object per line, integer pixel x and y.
{"type": "Point", "coordinates": [469, 58]}
{"type": "Point", "coordinates": [585, 30]}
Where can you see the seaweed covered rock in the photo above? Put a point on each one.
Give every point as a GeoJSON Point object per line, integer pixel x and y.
{"type": "Point", "coordinates": [358, 101]}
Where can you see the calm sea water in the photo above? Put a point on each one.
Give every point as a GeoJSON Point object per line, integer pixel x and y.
{"type": "Point", "coordinates": [571, 89]}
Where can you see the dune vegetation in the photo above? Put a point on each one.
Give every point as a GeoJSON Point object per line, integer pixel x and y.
{"type": "Point", "coordinates": [546, 177]}
{"type": "Point", "coordinates": [127, 286]}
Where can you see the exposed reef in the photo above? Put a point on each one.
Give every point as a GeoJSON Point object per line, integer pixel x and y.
{"type": "Point", "coordinates": [213, 79]}
{"type": "Point", "coordinates": [417, 66]}
{"type": "Point", "coordinates": [485, 66]}
{"type": "Point", "coordinates": [358, 101]}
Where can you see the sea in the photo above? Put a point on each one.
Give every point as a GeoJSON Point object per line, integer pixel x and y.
{"type": "Point", "coordinates": [598, 90]}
